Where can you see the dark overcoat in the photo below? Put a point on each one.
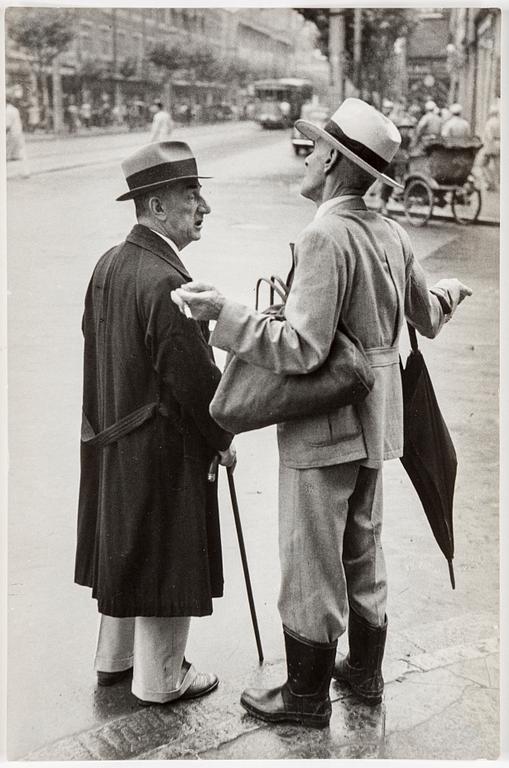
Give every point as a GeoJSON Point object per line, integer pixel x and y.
{"type": "Point", "coordinates": [148, 529]}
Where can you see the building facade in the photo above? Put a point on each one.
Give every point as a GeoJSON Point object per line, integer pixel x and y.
{"type": "Point", "coordinates": [474, 62]}
{"type": "Point", "coordinates": [427, 74]}
{"type": "Point", "coordinates": [108, 59]}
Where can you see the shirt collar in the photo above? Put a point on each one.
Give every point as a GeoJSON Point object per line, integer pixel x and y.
{"type": "Point", "coordinates": [167, 239]}
{"type": "Point", "coordinates": [328, 204]}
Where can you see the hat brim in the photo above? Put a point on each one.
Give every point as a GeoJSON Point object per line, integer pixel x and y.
{"type": "Point", "coordinates": [313, 132]}
{"type": "Point", "coordinates": [137, 190]}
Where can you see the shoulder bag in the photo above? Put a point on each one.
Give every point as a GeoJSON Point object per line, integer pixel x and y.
{"type": "Point", "coordinates": [250, 397]}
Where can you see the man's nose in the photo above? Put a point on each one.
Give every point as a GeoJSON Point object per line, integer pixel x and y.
{"type": "Point", "coordinates": [204, 206]}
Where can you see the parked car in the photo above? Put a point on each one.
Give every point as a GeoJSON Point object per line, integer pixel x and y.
{"type": "Point", "coordinates": [318, 116]}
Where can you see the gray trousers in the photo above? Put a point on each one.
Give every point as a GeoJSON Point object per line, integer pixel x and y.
{"type": "Point", "coordinates": [154, 647]}
{"type": "Point", "coordinates": [330, 521]}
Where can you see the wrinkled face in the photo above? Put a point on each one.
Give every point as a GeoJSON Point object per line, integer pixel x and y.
{"type": "Point", "coordinates": [184, 209]}
{"type": "Point", "coordinates": [314, 177]}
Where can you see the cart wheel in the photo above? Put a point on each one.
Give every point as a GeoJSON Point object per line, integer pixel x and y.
{"type": "Point", "coordinates": [418, 202]}
{"type": "Point", "coordinates": [466, 203]}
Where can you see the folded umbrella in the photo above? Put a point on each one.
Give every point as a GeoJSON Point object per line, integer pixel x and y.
{"type": "Point", "coordinates": [428, 457]}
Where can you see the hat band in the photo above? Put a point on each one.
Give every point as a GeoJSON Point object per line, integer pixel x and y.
{"type": "Point", "coordinates": [357, 147]}
{"type": "Point", "coordinates": [163, 172]}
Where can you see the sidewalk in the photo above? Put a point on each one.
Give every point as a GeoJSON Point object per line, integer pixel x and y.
{"type": "Point", "coordinates": [457, 686]}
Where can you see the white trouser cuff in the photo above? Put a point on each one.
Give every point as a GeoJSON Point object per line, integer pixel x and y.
{"type": "Point", "coordinates": [162, 697]}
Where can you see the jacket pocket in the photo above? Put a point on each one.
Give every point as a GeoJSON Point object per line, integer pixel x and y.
{"type": "Point", "coordinates": [328, 429]}
{"type": "Point", "coordinates": [344, 424]}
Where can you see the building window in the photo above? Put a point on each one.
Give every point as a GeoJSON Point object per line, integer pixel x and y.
{"type": "Point", "coordinates": [86, 42]}
{"type": "Point", "coordinates": [105, 41]}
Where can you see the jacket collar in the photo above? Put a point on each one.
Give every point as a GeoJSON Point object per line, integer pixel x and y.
{"type": "Point", "coordinates": [145, 238]}
{"type": "Point", "coordinates": [344, 202]}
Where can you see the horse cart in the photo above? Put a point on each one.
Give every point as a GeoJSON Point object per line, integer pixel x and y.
{"type": "Point", "coordinates": [439, 173]}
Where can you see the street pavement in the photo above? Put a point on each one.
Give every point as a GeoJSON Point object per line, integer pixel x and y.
{"type": "Point", "coordinates": [441, 662]}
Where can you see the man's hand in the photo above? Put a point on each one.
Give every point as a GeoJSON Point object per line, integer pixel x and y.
{"type": "Point", "coordinates": [453, 292]}
{"type": "Point", "coordinates": [204, 301]}
{"type": "Point", "coordinates": [228, 458]}
{"type": "Point", "coordinates": [463, 291]}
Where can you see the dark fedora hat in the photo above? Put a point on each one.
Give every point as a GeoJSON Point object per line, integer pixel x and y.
{"type": "Point", "coordinates": [157, 164]}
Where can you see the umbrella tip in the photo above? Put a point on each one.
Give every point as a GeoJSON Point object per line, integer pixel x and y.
{"type": "Point", "coordinates": [451, 574]}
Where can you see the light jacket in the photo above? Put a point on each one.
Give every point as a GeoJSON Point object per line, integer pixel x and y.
{"type": "Point", "coordinates": [352, 264]}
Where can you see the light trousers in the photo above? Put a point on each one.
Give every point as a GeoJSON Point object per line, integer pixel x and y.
{"type": "Point", "coordinates": [330, 522]}
{"type": "Point", "coordinates": [154, 647]}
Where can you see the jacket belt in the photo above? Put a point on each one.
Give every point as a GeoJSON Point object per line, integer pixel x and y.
{"type": "Point", "coordinates": [382, 356]}
{"type": "Point", "coordinates": [117, 430]}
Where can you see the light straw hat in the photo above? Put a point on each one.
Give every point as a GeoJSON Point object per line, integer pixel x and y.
{"type": "Point", "coordinates": [361, 133]}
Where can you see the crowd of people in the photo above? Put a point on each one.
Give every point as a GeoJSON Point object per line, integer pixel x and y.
{"type": "Point", "coordinates": [86, 112]}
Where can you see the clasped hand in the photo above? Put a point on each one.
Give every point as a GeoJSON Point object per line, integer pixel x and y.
{"type": "Point", "coordinates": [204, 301]}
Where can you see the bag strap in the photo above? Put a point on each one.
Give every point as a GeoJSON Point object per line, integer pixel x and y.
{"type": "Point", "coordinates": [274, 288]}
{"type": "Point", "coordinates": [413, 337]}
{"type": "Point", "coordinates": [279, 280]}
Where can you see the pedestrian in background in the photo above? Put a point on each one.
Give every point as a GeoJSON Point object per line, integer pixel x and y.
{"type": "Point", "coordinates": [490, 153]}
{"type": "Point", "coordinates": [445, 115]}
{"type": "Point", "coordinates": [86, 114]}
{"type": "Point", "coordinates": [73, 120]}
{"type": "Point", "coordinates": [357, 269]}
{"type": "Point", "coordinates": [148, 527]}
{"type": "Point", "coordinates": [15, 138]}
{"type": "Point", "coordinates": [430, 123]}
{"type": "Point", "coordinates": [162, 124]}
{"type": "Point", "coordinates": [456, 126]}
{"type": "Point", "coordinates": [34, 115]}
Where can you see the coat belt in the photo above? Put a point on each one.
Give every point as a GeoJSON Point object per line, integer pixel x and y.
{"type": "Point", "coordinates": [118, 429]}
{"type": "Point", "coordinates": [382, 356]}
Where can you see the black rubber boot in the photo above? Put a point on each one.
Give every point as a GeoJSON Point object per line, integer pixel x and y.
{"type": "Point", "coordinates": [304, 698]}
{"type": "Point", "coordinates": [362, 668]}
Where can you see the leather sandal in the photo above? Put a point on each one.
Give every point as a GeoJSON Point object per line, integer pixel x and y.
{"type": "Point", "coordinates": [203, 683]}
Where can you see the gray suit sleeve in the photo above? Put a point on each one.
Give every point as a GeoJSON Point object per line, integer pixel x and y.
{"type": "Point", "coordinates": [301, 342]}
{"type": "Point", "coordinates": [423, 309]}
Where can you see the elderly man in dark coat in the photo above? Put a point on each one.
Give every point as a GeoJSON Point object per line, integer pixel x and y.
{"type": "Point", "coordinates": [148, 528]}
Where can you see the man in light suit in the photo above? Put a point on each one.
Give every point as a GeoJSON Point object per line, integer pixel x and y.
{"type": "Point", "coordinates": [354, 266]}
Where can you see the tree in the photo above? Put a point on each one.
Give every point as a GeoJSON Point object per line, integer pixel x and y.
{"type": "Point", "coordinates": [320, 18]}
{"type": "Point", "coordinates": [168, 59]}
{"type": "Point", "coordinates": [43, 33]}
{"type": "Point", "coordinates": [128, 67]}
{"type": "Point", "coordinates": [381, 27]}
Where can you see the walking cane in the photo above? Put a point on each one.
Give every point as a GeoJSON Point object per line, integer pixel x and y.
{"type": "Point", "coordinates": [233, 496]}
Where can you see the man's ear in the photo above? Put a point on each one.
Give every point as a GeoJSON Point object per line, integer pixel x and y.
{"type": "Point", "coordinates": [332, 159]}
{"type": "Point", "coordinates": [156, 207]}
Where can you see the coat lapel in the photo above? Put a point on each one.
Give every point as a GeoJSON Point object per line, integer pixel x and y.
{"type": "Point", "coordinates": [145, 238]}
